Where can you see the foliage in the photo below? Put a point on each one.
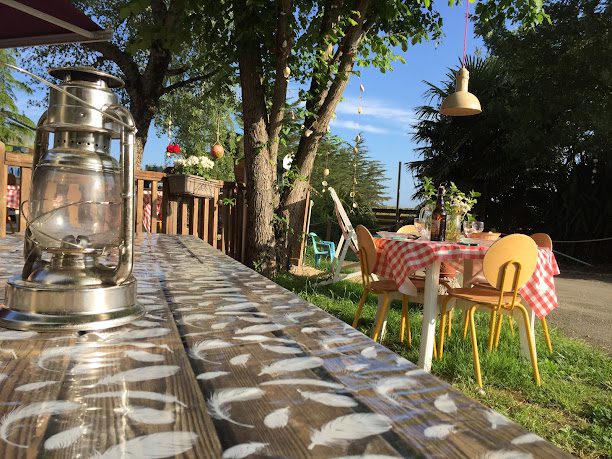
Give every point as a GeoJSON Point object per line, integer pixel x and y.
{"type": "Point", "coordinates": [340, 158]}
{"type": "Point", "coordinates": [14, 126]}
{"type": "Point", "coordinates": [455, 200]}
{"type": "Point", "coordinates": [539, 152]}
{"type": "Point", "coordinates": [572, 407]}
{"type": "Point", "coordinates": [196, 120]}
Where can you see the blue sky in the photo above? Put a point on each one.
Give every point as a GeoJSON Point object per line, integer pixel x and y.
{"type": "Point", "coordinates": [388, 103]}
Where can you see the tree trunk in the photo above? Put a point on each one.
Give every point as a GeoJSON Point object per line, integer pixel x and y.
{"type": "Point", "coordinates": [260, 162]}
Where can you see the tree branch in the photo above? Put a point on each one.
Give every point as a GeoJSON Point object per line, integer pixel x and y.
{"type": "Point", "coordinates": [283, 49]}
{"type": "Point", "coordinates": [124, 61]}
{"type": "Point", "coordinates": [189, 81]}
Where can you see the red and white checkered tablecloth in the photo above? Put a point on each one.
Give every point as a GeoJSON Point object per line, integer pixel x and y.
{"type": "Point", "coordinates": [146, 202]}
{"type": "Point", "coordinates": [397, 260]}
{"type": "Point", "coordinates": [12, 197]}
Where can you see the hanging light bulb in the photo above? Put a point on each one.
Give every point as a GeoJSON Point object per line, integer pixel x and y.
{"type": "Point", "coordinates": [461, 102]}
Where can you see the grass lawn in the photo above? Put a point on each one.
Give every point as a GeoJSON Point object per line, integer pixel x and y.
{"type": "Point", "coordinates": [572, 408]}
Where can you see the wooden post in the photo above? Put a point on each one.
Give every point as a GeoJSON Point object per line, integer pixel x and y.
{"type": "Point", "coordinates": [24, 195]}
{"type": "Point", "coordinates": [140, 204]}
{"type": "Point", "coordinates": [194, 223]}
{"type": "Point", "coordinates": [298, 258]}
{"type": "Point", "coordinates": [3, 183]}
{"type": "Point", "coordinates": [153, 222]}
{"type": "Point", "coordinates": [184, 212]}
{"type": "Point", "coordinates": [214, 219]}
{"type": "Point", "coordinates": [397, 207]}
{"type": "Point", "coordinates": [205, 220]}
{"type": "Point", "coordinates": [243, 226]}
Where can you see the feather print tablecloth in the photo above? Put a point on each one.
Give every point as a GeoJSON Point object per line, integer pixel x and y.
{"type": "Point", "coordinates": [228, 364]}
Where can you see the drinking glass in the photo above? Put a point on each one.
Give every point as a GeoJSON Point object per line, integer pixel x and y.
{"type": "Point", "coordinates": [478, 227]}
{"type": "Point", "coordinates": [421, 228]}
{"type": "Point", "coordinates": [467, 229]}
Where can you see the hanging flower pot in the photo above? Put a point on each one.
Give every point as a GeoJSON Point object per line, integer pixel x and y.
{"type": "Point", "coordinates": [217, 151]}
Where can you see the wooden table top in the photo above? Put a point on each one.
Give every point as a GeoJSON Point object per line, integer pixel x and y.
{"type": "Point", "coordinates": [228, 364]}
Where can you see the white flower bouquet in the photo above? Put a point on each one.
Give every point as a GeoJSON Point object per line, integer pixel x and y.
{"type": "Point", "coordinates": [194, 165]}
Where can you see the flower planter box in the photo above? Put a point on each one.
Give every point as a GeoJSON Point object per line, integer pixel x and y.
{"type": "Point", "coordinates": [191, 185]}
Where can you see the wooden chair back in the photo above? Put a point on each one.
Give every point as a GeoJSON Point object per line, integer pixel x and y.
{"type": "Point", "coordinates": [346, 227]}
{"type": "Point", "coordinates": [510, 262]}
{"type": "Point", "coordinates": [408, 229]}
{"type": "Point", "coordinates": [367, 253]}
{"type": "Point", "coordinates": [543, 240]}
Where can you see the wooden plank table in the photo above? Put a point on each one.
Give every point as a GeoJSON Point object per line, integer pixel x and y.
{"type": "Point", "coordinates": [228, 364]}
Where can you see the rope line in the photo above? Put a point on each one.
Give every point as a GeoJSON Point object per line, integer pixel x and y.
{"type": "Point", "coordinates": [465, 32]}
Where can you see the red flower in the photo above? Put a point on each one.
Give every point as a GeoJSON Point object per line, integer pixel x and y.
{"type": "Point", "coordinates": [173, 148]}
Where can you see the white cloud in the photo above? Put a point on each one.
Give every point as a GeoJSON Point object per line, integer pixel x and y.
{"type": "Point", "coordinates": [377, 108]}
{"type": "Point", "coordinates": [358, 126]}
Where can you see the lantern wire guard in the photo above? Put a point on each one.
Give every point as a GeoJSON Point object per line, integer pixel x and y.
{"type": "Point", "coordinates": [462, 102]}
{"type": "Point", "coordinates": [81, 211]}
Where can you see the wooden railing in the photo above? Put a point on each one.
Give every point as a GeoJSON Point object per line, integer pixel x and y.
{"type": "Point", "coordinates": [387, 217]}
{"type": "Point", "coordinates": [219, 220]}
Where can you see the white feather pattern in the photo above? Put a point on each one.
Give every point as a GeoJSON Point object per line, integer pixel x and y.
{"type": "Point", "coordinates": [238, 306]}
{"type": "Point", "coordinates": [439, 431]}
{"type": "Point", "coordinates": [496, 419]}
{"type": "Point", "coordinates": [145, 415]}
{"type": "Point", "coordinates": [294, 316]}
{"type": "Point", "coordinates": [191, 319]}
{"type": "Point", "coordinates": [302, 382]}
{"type": "Point", "coordinates": [197, 351]}
{"type": "Point", "coordinates": [219, 325]}
{"type": "Point", "coordinates": [218, 403]}
{"type": "Point", "coordinates": [34, 386]}
{"type": "Point", "coordinates": [350, 427]}
{"type": "Point", "coordinates": [506, 454]}
{"type": "Point", "coordinates": [262, 328]}
{"type": "Point", "coordinates": [281, 349]}
{"type": "Point", "coordinates": [310, 330]}
{"type": "Point", "coordinates": [47, 408]}
{"type": "Point", "coordinates": [445, 404]}
{"type": "Point", "coordinates": [3, 377]}
{"type": "Point", "coordinates": [386, 387]}
{"type": "Point", "coordinates": [154, 446]}
{"type": "Point", "coordinates": [136, 334]}
{"type": "Point", "coordinates": [527, 438]}
{"type": "Point", "coordinates": [144, 356]}
{"type": "Point", "coordinates": [357, 367]}
{"type": "Point", "coordinates": [16, 335]}
{"type": "Point", "coordinates": [241, 359]}
{"type": "Point", "coordinates": [144, 323]}
{"type": "Point", "coordinates": [262, 338]}
{"type": "Point", "coordinates": [138, 394]}
{"type": "Point", "coordinates": [324, 398]}
{"type": "Point", "coordinates": [211, 375]}
{"type": "Point", "coordinates": [277, 418]}
{"type": "Point", "coordinates": [84, 368]}
{"type": "Point", "coordinates": [369, 352]}
{"type": "Point", "coordinates": [66, 438]}
{"type": "Point", "coordinates": [369, 456]}
{"type": "Point", "coordinates": [140, 374]}
{"type": "Point", "coordinates": [254, 320]}
{"type": "Point", "coordinates": [291, 365]}
{"type": "Point", "coordinates": [243, 450]}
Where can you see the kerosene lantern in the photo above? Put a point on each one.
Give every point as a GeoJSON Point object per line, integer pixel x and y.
{"type": "Point", "coordinates": [78, 245]}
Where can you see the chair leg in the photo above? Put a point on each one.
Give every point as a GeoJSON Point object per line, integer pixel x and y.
{"type": "Point", "coordinates": [546, 335]}
{"type": "Point", "coordinates": [381, 318]}
{"type": "Point", "coordinates": [500, 320]}
{"type": "Point", "coordinates": [477, 372]}
{"type": "Point", "coordinates": [362, 301]}
{"type": "Point", "coordinates": [492, 328]}
{"type": "Point", "coordinates": [443, 316]}
{"type": "Point", "coordinates": [451, 316]}
{"type": "Point", "coordinates": [405, 322]}
{"type": "Point", "coordinates": [532, 353]}
{"type": "Point", "coordinates": [466, 322]}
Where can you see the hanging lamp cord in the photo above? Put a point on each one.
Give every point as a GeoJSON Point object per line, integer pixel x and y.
{"type": "Point", "coordinates": [465, 32]}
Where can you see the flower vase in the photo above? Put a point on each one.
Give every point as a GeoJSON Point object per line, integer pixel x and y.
{"type": "Point", "coordinates": [453, 227]}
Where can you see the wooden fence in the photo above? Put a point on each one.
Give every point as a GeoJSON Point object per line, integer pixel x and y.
{"type": "Point", "coordinates": [220, 220]}
{"type": "Point", "coordinates": [387, 218]}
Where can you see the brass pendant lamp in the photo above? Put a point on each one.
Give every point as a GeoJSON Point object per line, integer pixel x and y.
{"type": "Point", "coordinates": [462, 102]}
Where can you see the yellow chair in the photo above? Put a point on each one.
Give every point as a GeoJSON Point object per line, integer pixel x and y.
{"type": "Point", "coordinates": [367, 257]}
{"type": "Point", "coordinates": [408, 229]}
{"type": "Point", "coordinates": [507, 266]}
{"type": "Point", "coordinates": [542, 240]}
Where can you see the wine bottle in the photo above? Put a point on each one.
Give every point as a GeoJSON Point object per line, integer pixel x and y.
{"type": "Point", "coordinates": [438, 218]}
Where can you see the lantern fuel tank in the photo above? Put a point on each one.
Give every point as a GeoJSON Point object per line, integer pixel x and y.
{"type": "Point", "coordinates": [79, 239]}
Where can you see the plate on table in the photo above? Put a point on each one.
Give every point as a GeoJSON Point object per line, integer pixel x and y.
{"type": "Point", "coordinates": [397, 236]}
{"type": "Point", "coordinates": [475, 241]}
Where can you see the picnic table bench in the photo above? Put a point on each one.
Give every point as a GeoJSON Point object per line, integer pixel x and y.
{"type": "Point", "coordinates": [226, 363]}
